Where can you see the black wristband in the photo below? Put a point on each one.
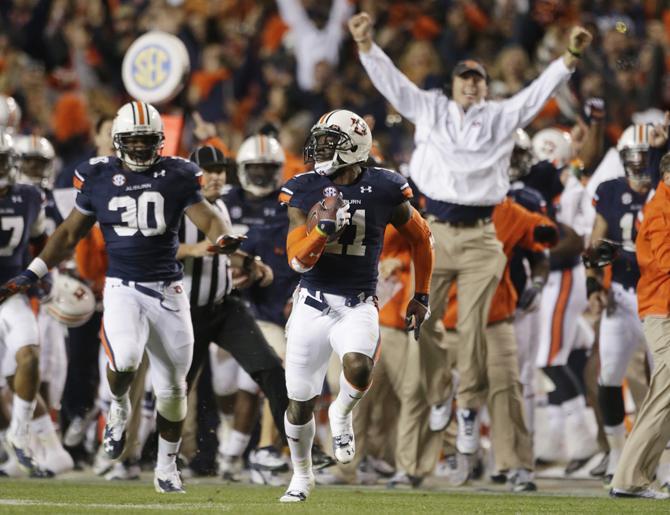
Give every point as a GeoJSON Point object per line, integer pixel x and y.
{"type": "Point", "coordinates": [422, 298]}
{"type": "Point", "coordinates": [592, 286]}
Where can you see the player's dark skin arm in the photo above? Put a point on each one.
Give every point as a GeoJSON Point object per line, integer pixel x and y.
{"type": "Point", "coordinates": [62, 242]}
{"type": "Point", "coordinates": [208, 220]}
{"type": "Point", "coordinates": [569, 246]}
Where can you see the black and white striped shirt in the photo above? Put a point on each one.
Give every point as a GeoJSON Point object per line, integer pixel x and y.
{"type": "Point", "coordinates": [206, 279]}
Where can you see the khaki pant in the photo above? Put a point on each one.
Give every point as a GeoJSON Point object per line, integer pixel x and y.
{"type": "Point", "coordinates": [473, 257]}
{"type": "Point", "coordinates": [512, 444]}
{"type": "Point", "coordinates": [651, 431]}
{"type": "Point", "coordinates": [398, 372]}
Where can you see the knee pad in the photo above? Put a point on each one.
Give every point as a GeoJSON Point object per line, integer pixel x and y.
{"type": "Point", "coordinates": [171, 403]}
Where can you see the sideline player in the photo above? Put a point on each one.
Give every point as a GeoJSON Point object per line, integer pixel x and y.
{"type": "Point", "coordinates": [618, 203]}
{"type": "Point", "coordinates": [138, 197]}
{"type": "Point", "coordinates": [334, 307]}
{"type": "Point", "coordinates": [22, 221]}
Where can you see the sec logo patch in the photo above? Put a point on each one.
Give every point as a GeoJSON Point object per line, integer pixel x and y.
{"type": "Point", "coordinates": [118, 180]}
{"type": "Point", "coordinates": [330, 191]}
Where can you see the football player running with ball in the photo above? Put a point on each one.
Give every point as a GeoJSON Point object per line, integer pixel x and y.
{"type": "Point", "coordinates": [138, 198]}
{"type": "Point", "coordinates": [338, 215]}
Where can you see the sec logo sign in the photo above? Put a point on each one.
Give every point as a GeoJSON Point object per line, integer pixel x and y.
{"type": "Point", "coordinates": [155, 67]}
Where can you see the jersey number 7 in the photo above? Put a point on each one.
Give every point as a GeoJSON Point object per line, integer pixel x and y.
{"type": "Point", "coordinates": [350, 242]}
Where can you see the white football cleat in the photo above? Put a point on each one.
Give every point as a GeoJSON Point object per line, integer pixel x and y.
{"type": "Point", "coordinates": [102, 463]}
{"type": "Point", "coordinates": [230, 468]}
{"type": "Point", "coordinates": [467, 439]}
{"type": "Point", "coordinates": [644, 493]}
{"type": "Point", "coordinates": [168, 480]}
{"type": "Point", "coordinates": [114, 437]}
{"type": "Point", "coordinates": [267, 458]}
{"type": "Point", "coordinates": [344, 444]}
{"type": "Point", "coordinates": [56, 460]}
{"type": "Point", "coordinates": [299, 488]}
{"type": "Point", "coordinates": [440, 415]}
{"type": "Point", "coordinates": [19, 443]}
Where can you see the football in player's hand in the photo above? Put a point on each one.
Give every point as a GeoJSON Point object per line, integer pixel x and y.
{"type": "Point", "coordinates": [325, 214]}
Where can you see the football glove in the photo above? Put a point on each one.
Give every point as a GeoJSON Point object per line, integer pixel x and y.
{"type": "Point", "coordinates": [342, 219]}
{"type": "Point", "coordinates": [227, 244]}
{"type": "Point", "coordinates": [19, 284]}
{"type": "Point", "coordinates": [417, 312]}
{"type": "Point", "coordinates": [530, 298]}
{"type": "Point", "coordinates": [601, 254]}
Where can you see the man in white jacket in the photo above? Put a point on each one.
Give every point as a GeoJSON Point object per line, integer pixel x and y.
{"type": "Point", "coordinates": [461, 162]}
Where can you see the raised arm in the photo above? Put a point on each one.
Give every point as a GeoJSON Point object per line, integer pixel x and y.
{"type": "Point", "coordinates": [294, 15]}
{"type": "Point", "coordinates": [410, 101]}
{"type": "Point", "coordinates": [524, 106]}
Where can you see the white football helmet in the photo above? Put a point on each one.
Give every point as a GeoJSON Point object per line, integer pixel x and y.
{"type": "Point", "coordinates": [260, 164]}
{"type": "Point", "coordinates": [70, 302]}
{"type": "Point", "coordinates": [137, 135]}
{"type": "Point", "coordinates": [522, 156]}
{"type": "Point", "coordinates": [553, 145]}
{"type": "Point", "coordinates": [7, 161]}
{"type": "Point", "coordinates": [35, 160]}
{"type": "Point", "coordinates": [10, 113]}
{"type": "Point", "coordinates": [633, 147]}
{"type": "Point", "coordinates": [340, 138]}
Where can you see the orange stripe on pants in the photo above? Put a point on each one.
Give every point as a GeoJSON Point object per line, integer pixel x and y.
{"type": "Point", "coordinates": [559, 315]}
{"type": "Point", "coordinates": [107, 346]}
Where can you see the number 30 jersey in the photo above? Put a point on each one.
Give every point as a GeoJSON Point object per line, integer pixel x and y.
{"type": "Point", "coordinates": [619, 205]}
{"type": "Point", "coordinates": [139, 213]}
{"type": "Point", "coordinates": [348, 266]}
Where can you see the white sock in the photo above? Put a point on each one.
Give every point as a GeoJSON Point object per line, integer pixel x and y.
{"type": "Point", "coordinates": [616, 437]}
{"type": "Point", "coordinates": [122, 401]}
{"type": "Point", "coordinates": [300, 439]}
{"type": "Point", "coordinates": [347, 398]}
{"type": "Point", "coordinates": [44, 429]}
{"type": "Point", "coordinates": [22, 414]}
{"type": "Point", "coordinates": [236, 443]}
{"type": "Point", "coordinates": [167, 453]}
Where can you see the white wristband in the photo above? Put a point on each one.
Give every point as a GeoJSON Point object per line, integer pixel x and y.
{"type": "Point", "coordinates": [38, 267]}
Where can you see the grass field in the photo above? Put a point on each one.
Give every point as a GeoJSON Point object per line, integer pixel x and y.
{"type": "Point", "coordinates": [209, 496]}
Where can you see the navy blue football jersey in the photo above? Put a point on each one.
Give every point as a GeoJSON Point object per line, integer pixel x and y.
{"type": "Point", "coordinates": [139, 213]}
{"type": "Point", "coordinates": [246, 211]}
{"type": "Point", "coordinates": [265, 222]}
{"type": "Point", "coordinates": [53, 216]}
{"type": "Point", "coordinates": [348, 266]}
{"type": "Point", "coordinates": [546, 179]}
{"type": "Point", "coordinates": [269, 242]}
{"type": "Point", "coordinates": [21, 217]}
{"type": "Point", "coordinates": [619, 205]}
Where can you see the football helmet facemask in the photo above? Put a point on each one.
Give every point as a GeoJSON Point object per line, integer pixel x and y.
{"type": "Point", "coordinates": [633, 147]}
{"type": "Point", "coordinates": [522, 156]}
{"type": "Point", "coordinates": [137, 135]}
{"type": "Point", "coordinates": [7, 162]}
{"type": "Point", "coordinates": [35, 159]}
{"type": "Point", "coordinates": [340, 138]}
{"type": "Point", "coordinates": [260, 165]}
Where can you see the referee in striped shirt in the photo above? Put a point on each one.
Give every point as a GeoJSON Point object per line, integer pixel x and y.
{"type": "Point", "coordinates": [218, 316]}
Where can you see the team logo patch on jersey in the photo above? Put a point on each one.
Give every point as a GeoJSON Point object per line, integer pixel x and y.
{"type": "Point", "coordinates": [330, 191]}
{"type": "Point", "coordinates": [626, 198]}
{"type": "Point", "coordinates": [236, 212]}
{"type": "Point", "coordinates": [118, 180]}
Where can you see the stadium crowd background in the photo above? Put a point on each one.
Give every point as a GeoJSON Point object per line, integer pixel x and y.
{"type": "Point", "coordinates": [61, 61]}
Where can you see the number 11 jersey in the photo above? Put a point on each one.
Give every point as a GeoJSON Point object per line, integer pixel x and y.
{"type": "Point", "coordinates": [348, 265]}
{"type": "Point", "coordinates": [139, 213]}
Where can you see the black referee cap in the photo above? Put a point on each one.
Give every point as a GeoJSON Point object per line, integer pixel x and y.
{"type": "Point", "coordinates": [208, 156]}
